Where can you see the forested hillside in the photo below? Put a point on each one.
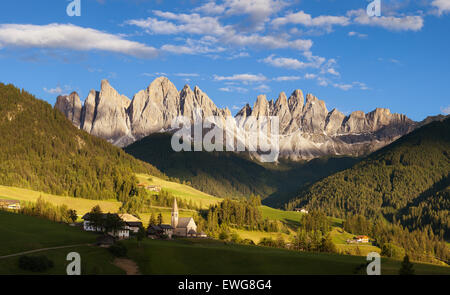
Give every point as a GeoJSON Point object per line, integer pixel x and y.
{"type": "Point", "coordinates": [406, 181]}
{"type": "Point", "coordinates": [41, 150]}
{"type": "Point", "coordinates": [228, 174]}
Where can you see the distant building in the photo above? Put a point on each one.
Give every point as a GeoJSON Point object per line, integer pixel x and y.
{"type": "Point", "coordinates": [154, 188]}
{"type": "Point", "coordinates": [362, 239]}
{"type": "Point", "coordinates": [358, 240]}
{"type": "Point", "coordinates": [183, 226]}
{"type": "Point", "coordinates": [10, 204]}
{"type": "Point", "coordinates": [302, 210]}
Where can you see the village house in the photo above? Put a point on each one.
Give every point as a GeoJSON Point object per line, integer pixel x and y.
{"type": "Point", "coordinates": [153, 188]}
{"type": "Point", "coordinates": [10, 204]}
{"type": "Point", "coordinates": [131, 223]}
{"type": "Point", "coordinates": [160, 231]}
{"type": "Point", "coordinates": [358, 240]}
{"type": "Point", "coordinates": [302, 210]}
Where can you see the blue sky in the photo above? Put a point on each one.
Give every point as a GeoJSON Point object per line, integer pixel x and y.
{"type": "Point", "coordinates": [236, 49]}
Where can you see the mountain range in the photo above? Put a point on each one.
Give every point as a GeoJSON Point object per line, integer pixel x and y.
{"type": "Point", "coordinates": [307, 129]}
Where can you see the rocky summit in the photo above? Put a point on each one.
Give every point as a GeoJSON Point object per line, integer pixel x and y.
{"type": "Point", "coordinates": [307, 129]}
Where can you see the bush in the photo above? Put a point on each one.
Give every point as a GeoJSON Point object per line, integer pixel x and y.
{"type": "Point", "coordinates": [35, 263]}
{"type": "Point", "coordinates": [118, 250]}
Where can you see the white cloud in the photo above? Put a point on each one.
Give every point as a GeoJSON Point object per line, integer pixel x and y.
{"type": "Point", "coordinates": [188, 23]}
{"type": "Point", "coordinates": [332, 71]}
{"type": "Point", "coordinates": [259, 11]}
{"type": "Point", "coordinates": [244, 78]}
{"type": "Point", "coordinates": [193, 47]}
{"type": "Point", "coordinates": [287, 78]}
{"type": "Point", "coordinates": [186, 74]}
{"type": "Point", "coordinates": [68, 36]}
{"type": "Point", "coordinates": [210, 8]}
{"type": "Point", "coordinates": [310, 76]}
{"type": "Point", "coordinates": [446, 110]}
{"type": "Point", "coordinates": [268, 41]}
{"type": "Point", "coordinates": [305, 19]}
{"type": "Point", "coordinates": [443, 6]}
{"type": "Point", "coordinates": [56, 90]}
{"type": "Point", "coordinates": [293, 63]}
{"type": "Point", "coordinates": [344, 87]}
{"type": "Point", "coordinates": [284, 62]}
{"type": "Point", "coordinates": [262, 88]}
{"type": "Point", "coordinates": [393, 23]}
{"type": "Point", "coordinates": [356, 34]}
{"type": "Point", "coordinates": [233, 89]}
{"type": "Point", "coordinates": [208, 26]}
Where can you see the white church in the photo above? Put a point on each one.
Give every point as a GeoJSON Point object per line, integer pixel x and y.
{"type": "Point", "coordinates": [182, 226]}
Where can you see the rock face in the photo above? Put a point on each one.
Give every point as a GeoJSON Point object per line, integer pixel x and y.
{"type": "Point", "coordinates": [307, 129]}
{"type": "Point", "coordinates": [70, 106]}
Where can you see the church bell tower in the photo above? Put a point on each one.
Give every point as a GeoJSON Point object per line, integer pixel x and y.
{"type": "Point", "coordinates": [175, 214]}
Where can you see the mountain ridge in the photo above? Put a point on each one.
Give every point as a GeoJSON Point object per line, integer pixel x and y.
{"type": "Point", "coordinates": [307, 129]}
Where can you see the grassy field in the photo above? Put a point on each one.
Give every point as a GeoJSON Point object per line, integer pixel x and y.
{"type": "Point", "coordinates": [81, 205]}
{"type": "Point", "coordinates": [23, 233]}
{"type": "Point", "coordinates": [291, 218]}
{"type": "Point", "coordinates": [181, 191]}
{"type": "Point", "coordinates": [256, 236]}
{"type": "Point", "coordinates": [94, 260]}
{"type": "Point", "coordinates": [190, 256]}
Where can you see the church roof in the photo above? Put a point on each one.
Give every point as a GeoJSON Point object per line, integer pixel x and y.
{"type": "Point", "coordinates": [183, 221]}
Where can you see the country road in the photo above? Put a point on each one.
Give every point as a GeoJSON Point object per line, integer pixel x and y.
{"type": "Point", "coordinates": [42, 249]}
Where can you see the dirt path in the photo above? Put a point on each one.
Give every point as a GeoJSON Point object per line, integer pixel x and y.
{"type": "Point", "coordinates": [129, 266]}
{"type": "Point", "coordinates": [42, 249]}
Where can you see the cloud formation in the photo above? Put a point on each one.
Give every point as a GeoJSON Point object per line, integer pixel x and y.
{"type": "Point", "coordinates": [392, 23]}
{"type": "Point", "coordinates": [68, 36]}
{"type": "Point", "coordinates": [443, 6]}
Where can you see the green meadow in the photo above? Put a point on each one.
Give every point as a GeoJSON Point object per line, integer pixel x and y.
{"type": "Point", "coordinates": [181, 191]}
{"type": "Point", "coordinates": [21, 233]}
{"type": "Point", "coordinates": [81, 205]}
{"type": "Point", "coordinates": [204, 256]}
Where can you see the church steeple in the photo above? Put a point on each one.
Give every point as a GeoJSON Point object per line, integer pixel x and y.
{"type": "Point", "coordinates": [175, 214]}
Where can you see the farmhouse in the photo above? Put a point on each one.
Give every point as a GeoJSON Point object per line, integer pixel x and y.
{"type": "Point", "coordinates": [302, 210]}
{"type": "Point", "coordinates": [131, 224]}
{"type": "Point", "coordinates": [358, 240]}
{"type": "Point", "coordinates": [160, 230]}
{"type": "Point", "coordinates": [10, 204]}
{"type": "Point", "coordinates": [154, 188]}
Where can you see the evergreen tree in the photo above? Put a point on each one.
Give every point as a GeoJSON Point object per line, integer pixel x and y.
{"type": "Point", "coordinates": [407, 267]}
{"type": "Point", "coordinates": [152, 220]}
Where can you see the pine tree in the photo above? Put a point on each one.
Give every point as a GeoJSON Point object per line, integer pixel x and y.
{"type": "Point", "coordinates": [160, 219]}
{"type": "Point", "coordinates": [407, 267]}
{"type": "Point", "coordinates": [152, 220]}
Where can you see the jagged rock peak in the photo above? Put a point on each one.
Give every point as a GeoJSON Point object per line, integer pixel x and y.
{"type": "Point", "coordinates": [282, 100]}
{"type": "Point", "coordinates": [70, 106]}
